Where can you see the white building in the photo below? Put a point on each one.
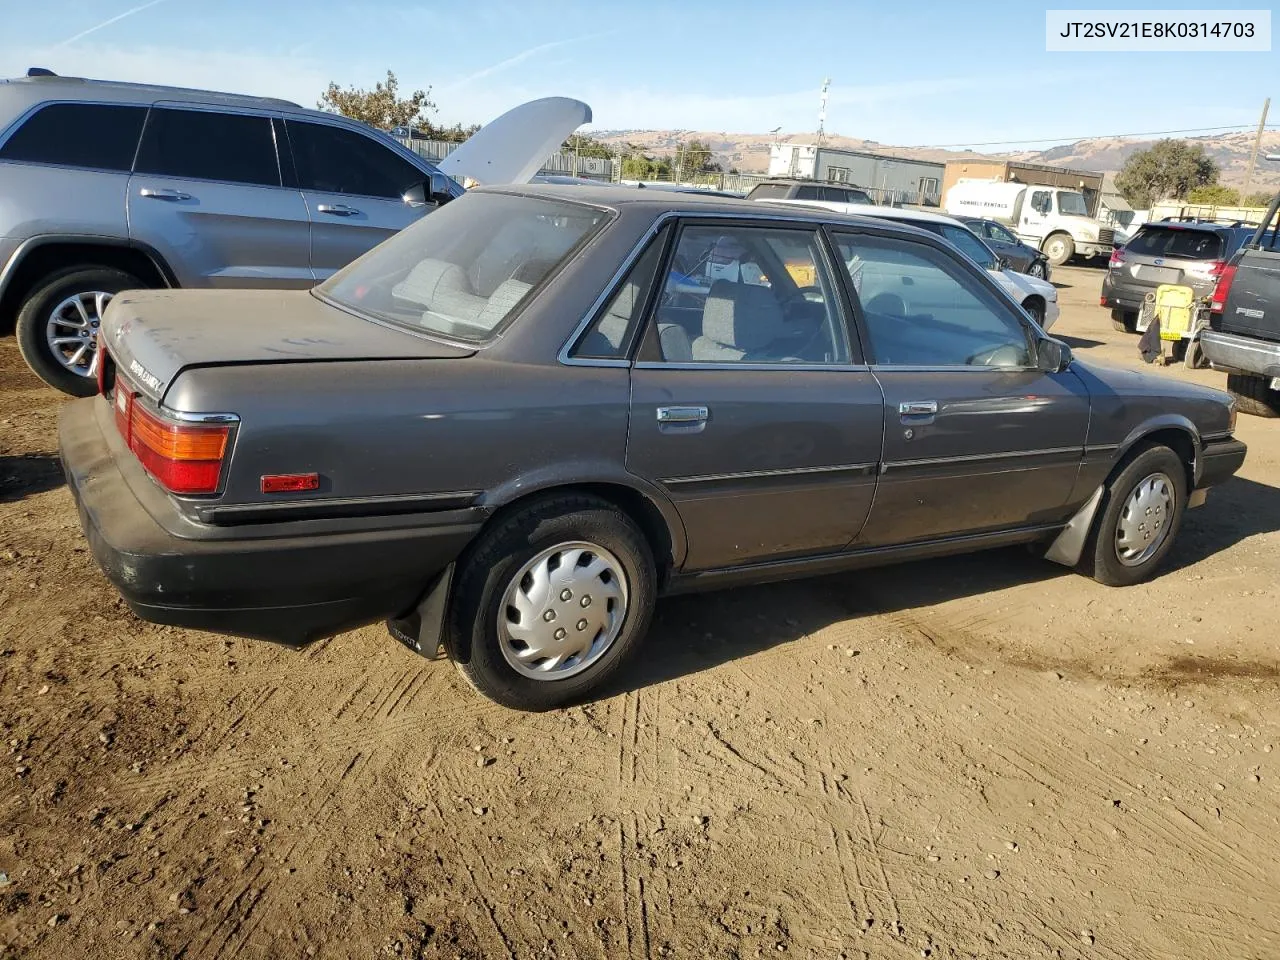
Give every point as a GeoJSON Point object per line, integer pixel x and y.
{"type": "Point", "coordinates": [885, 177]}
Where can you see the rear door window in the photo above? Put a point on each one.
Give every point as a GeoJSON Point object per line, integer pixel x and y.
{"type": "Point", "coordinates": [333, 159]}
{"type": "Point", "coordinates": [808, 193]}
{"type": "Point", "coordinates": [97, 136]}
{"type": "Point", "coordinates": [1177, 242]}
{"type": "Point", "coordinates": [206, 145]}
{"type": "Point", "coordinates": [768, 191]}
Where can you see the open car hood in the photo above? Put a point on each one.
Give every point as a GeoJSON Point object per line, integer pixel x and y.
{"type": "Point", "coordinates": [512, 148]}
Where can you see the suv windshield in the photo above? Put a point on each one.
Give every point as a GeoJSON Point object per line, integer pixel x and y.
{"type": "Point", "coordinates": [1072, 204]}
{"type": "Point", "coordinates": [1177, 242]}
{"type": "Point", "coordinates": [464, 269]}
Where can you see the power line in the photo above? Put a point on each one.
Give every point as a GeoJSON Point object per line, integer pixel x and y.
{"type": "Point", "coordinates": [1094, 136]}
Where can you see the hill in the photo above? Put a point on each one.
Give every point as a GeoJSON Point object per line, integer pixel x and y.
{"type": "Point", "coordinates": [749, 152]}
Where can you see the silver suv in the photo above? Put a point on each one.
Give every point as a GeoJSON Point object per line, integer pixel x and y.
{"type": "Point", "coordinates": [106, 187]}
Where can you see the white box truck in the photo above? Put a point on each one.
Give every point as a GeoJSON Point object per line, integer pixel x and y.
{"type": "Point", "coordinates": [1051, 219]}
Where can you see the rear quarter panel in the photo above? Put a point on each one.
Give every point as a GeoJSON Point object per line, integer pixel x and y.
{"type": "Point", "coordinates": [38, 199]}
{"type": "Point", "coordinates": [405, 427]}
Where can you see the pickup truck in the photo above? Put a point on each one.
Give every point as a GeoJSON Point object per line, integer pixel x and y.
{"type": "Point", "coordinates": [1243, 338]}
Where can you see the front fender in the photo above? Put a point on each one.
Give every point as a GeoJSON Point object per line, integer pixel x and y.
{"type": "Point", "coordinates": [1166, 421]}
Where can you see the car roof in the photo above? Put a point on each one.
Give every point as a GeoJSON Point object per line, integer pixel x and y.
{"type": "Point", "coordinates": [29, 91]}
{"type": "Point", "coordinates": [694, 204]}
{"type": "Point", "coordinates": [870, 210]}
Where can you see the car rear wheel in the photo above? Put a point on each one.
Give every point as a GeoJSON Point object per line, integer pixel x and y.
{"type": "Point", "coordinates": [551, 602]}
{"type": "Point", "coordinates": [1125, 321]}
{"type": "Point", "coordinates": [58, 325]}
{"type": "Point", "coordinates": [1141, 516]}
{"type": "Point", "coordinates": [1059, 248]}
{"type": "Point", "coordinates": [1254, 395]}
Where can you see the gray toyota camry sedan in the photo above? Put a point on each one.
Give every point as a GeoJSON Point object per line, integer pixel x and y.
{"type": "Point", "coordinates": [510, 428]}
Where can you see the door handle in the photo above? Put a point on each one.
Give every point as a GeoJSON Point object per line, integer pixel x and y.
{"type": "Point", "coordinates": [918, 408]}
{"type": "Point", "coordinates": [683, 414]}
{"type": "Point", "coordinates": [162, 193]}
{"type": "Point", "coordinates": [338, 209]}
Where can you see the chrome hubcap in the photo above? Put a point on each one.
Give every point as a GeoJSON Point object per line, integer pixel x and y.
{"type": "Point", "coordinates": [1144, 520]}
{"type": "Point", "coordinates": [562, 611]}
{"type": "Point", "coordinates": [72, 331]}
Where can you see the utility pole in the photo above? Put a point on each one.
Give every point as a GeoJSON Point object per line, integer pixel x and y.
{"type": "Point", "coordinates": [822, 112]}
{"type": "Point", "coordinates": [1257, 144]}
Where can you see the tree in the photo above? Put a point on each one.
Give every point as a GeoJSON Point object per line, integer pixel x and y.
{"type": "Point", "coordinates": [693, 158]}
{"type": "Point", "coordinates": [380, 107]}
{"type": "Point", "coordinates": [585, 145]}
{"type": "Point", "coordinates": [1167, 169]}
{"type": "Point", "coordinates": [1216, 193]}
{"type": "Point", "coordinates": [1262, 198]}
{"type": "Point", "coordinates": [638, 166]}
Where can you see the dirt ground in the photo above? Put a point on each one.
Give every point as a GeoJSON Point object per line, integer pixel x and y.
{"type": "Point", "coordinates": [982, 757]}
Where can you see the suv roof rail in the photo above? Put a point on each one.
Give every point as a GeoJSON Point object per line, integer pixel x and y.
{"type": "Point", "coordinates": [40, 72]}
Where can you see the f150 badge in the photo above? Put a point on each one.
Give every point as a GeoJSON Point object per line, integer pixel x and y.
{"type": "Point", "coordinates": [1251, 314]}
{"type": "Point", "coordinates": [143, 374]}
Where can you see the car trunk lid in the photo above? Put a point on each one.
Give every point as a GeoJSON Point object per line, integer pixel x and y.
{"type": "Point", "coordinates": [153, 335]}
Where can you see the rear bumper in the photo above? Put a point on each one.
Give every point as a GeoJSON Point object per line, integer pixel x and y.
{"type": "Point", "coordinates": [1219, 461]}
{"type": "Point", "coordinates": [1228, 351]}
{"type": "Point", "coordinates": [289, 589]}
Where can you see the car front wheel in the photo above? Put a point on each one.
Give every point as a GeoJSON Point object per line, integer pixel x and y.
{"type": "Point", "coordinates": [1141, 515]}
{"type": "Point", "coordinates": [551, 601]}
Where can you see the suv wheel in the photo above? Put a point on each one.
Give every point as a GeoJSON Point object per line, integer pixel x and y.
{"type": "Point", "coordinates": [1059, 248]}
{"type": "Point", "coordinates": [551, 602]}
{"type": "Point", "coordinates": [1254, 395]}
{"type": "Point", "coordinates": [1140, 518]}
{"type": "Point", "coordinates": [1125, 321]}
{"type": "Point", "coordinates": [58, 325]}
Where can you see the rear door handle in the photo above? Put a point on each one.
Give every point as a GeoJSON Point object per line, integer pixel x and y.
{"type": "Point", "coordinates": [162, 193]}
{"type": "Point", "coordinates": [683, 414]}
{"type": "Point", "coordinates": [338, 209]}
{"type": "Point", "coordinates": [918, 408]}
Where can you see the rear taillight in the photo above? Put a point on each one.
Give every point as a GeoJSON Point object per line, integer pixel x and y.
{"type": "Point", "coordinates": [1216, 268]}
{"type": "Point", "coordinates": [1117, 258]}
{"type": "Point", "coordinates": [1226, 276]}
{"type": "Point", "coordinates": [182, 457]}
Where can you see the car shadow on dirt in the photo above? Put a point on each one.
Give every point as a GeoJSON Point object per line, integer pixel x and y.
{"type": "Point", "coordinates": [1078, 343]}
{"type": "Point", "coordinates": [700, 631]}
{"type": "Point", "coordinates": [1236, 510]}
{"type": "Point", "coordinates": [27, 474]}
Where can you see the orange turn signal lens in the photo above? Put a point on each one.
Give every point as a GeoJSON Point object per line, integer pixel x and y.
{"type": "Point", "coordinates": [177, 441]}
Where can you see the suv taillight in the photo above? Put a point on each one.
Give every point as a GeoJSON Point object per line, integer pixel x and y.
{"type": "Point", "coordinates": [1117, 258]}
{"type": "Point", "coordinates": [182, 457]}
{"type": "Point", "coordinates": [1216, 268]}
{"type": "Point", "coordinates": [1227, 275]}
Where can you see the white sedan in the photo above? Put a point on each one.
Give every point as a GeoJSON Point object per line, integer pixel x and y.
{"type": "Point", "coordinates": [1038, 297]}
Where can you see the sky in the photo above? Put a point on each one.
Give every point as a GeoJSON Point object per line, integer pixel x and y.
{"type": "Point", "coordinates": [909, 74]}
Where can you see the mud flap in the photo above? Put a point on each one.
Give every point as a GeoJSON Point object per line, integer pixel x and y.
{"type": "Point", "coordinates": [1068, 546]}
{"type": "Point", "coordinates": [423, 630]}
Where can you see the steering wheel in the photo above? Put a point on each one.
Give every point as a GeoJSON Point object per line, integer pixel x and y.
{"type": "Point", "coordinates": [1005, 355]}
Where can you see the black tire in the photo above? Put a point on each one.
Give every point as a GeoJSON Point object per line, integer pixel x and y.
{"type": "Point", "coordinates": [1035, 307]}
{"type": "Point", "coordinates": [1125, 321]}
{"type": "Point", "coordinates": [1253, 395]}
{"type": "Point", "coordinates": [34, 314]}
{"type": "Point", "coordinates": [1101, 557]}
{"type": "Point", "coordinates": [1194, 357]}
{"type": "Point", "coordinates": [1066, 251]}
{"type": "Point", "coordinates": [496, 558]}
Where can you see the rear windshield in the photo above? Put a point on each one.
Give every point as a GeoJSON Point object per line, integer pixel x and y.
{"type": "Point", "coordinates": [769, 191]}
{"type": "Point", "coordinates": [464, 269]}
{"type": "Point", "coordinates": [1177, 242]}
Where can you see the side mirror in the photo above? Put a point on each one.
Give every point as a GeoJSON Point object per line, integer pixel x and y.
{"type": "Point", "coordinates": [435, 190]}
{"type": "Point", "coordinates": [1052, 356]}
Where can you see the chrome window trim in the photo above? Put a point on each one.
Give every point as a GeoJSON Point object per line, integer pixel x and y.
{"type": "Point", "coordinates": [952, 368]}
{"type": "Point", "coordinates": [208, 419]}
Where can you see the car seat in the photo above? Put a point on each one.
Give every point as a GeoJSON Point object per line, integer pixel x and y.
{"type": "Point", "coordinates": [739, 320]}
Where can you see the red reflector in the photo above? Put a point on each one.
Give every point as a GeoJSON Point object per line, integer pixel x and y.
{"type": "Point", "coordinates": [290, 482]}
{"type": "Point", "coordinates": [1102, 301]}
